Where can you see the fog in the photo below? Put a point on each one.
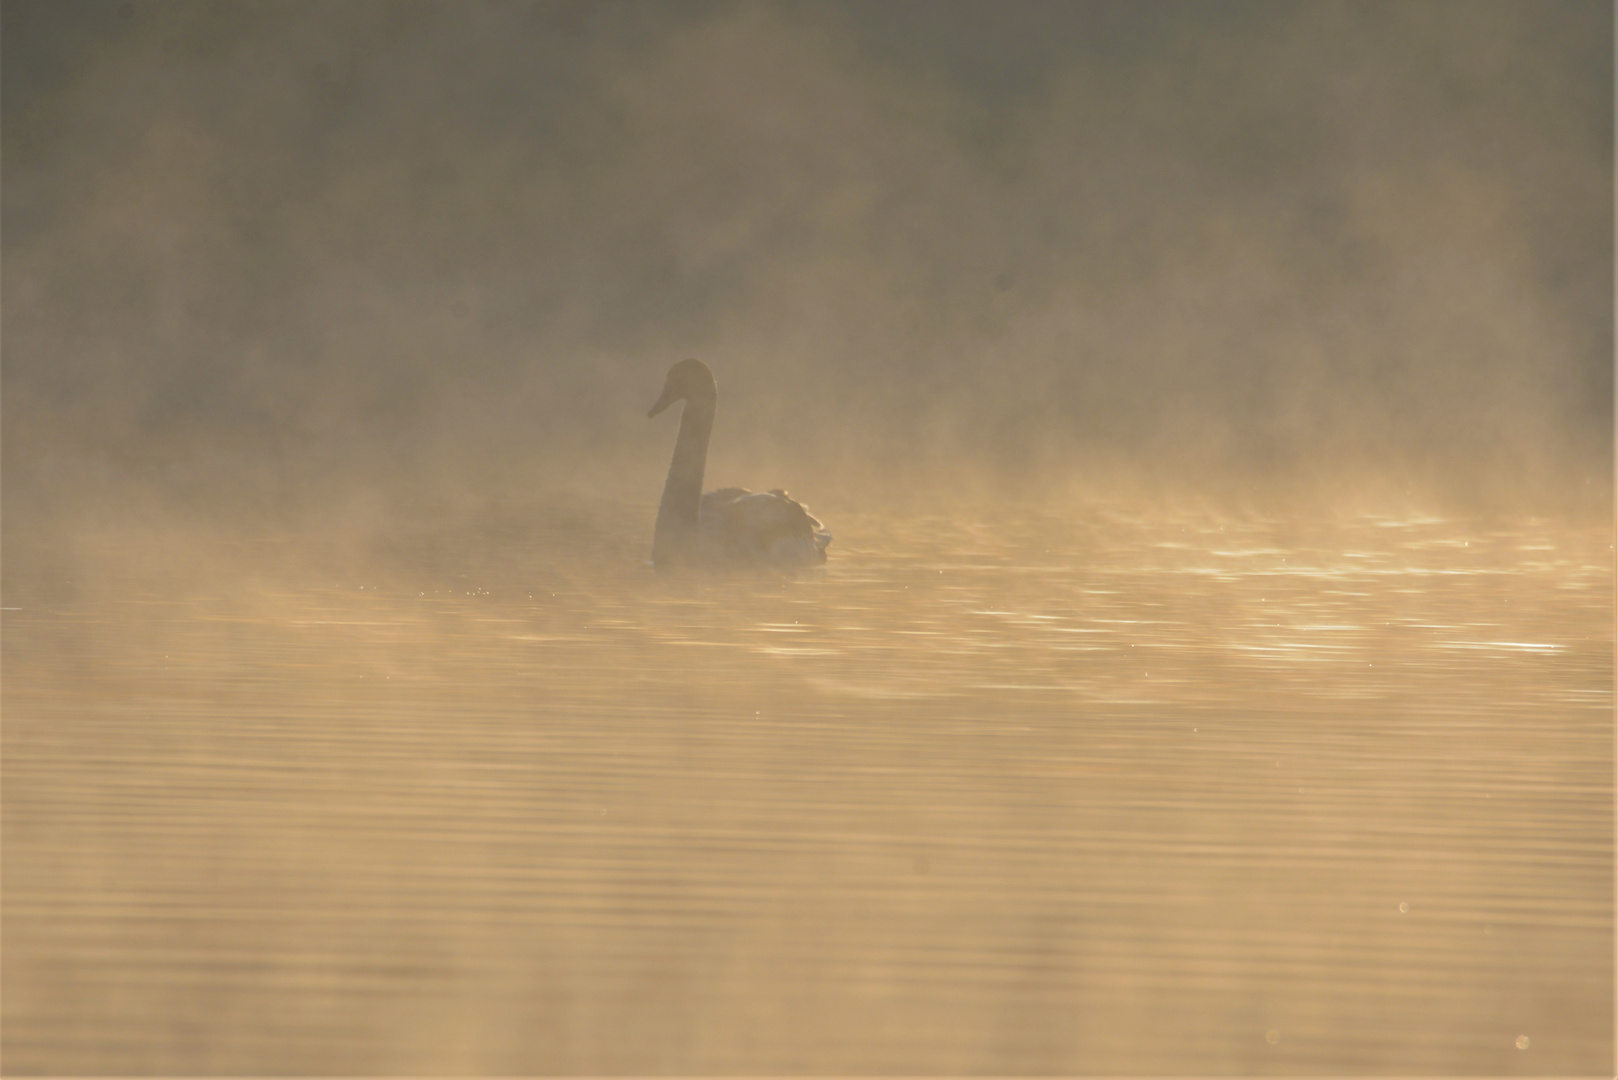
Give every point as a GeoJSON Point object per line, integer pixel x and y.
{"type": "Point", "coordinates": [276, 260]}
{"type": "Point", "coordinates": [1211, 404]}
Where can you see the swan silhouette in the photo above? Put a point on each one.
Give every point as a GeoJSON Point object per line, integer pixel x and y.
{"type": "Point", "coordinates": [731, 525]}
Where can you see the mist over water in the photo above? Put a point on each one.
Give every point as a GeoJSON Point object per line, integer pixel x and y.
{"type": "Point", "coordinates": [276, 256]}
{"type": "Point", "coordinates": [1212, 406]}
{"type": "Point", "coordinates": [1030, 795]}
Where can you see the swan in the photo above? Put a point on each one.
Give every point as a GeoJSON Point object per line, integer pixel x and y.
{"type": "Point", "coordinates": [730, 525]}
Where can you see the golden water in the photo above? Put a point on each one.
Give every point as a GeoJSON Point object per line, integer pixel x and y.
{"type": "Point", "coordinates": [1029, 794]}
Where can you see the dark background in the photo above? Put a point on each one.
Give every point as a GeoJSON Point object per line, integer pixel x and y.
{"type": "Point", "coordinates": [262, 260]}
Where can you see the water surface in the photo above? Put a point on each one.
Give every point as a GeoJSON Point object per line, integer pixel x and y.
{"type": "Point", "coordinates": [1022, 793]}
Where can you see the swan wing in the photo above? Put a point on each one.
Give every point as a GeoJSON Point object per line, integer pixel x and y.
{"type": "Point", "coordinates": [769, 526]}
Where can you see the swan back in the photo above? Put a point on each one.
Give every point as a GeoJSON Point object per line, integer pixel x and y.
{"type": "Point", "coordinates": [738, 525]}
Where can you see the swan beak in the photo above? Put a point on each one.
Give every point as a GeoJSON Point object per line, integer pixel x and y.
{"type": "Point", "coordinates": [670, 396]}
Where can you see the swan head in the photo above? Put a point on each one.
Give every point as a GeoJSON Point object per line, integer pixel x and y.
{"type": "Point", "coordinates": [689, 380]}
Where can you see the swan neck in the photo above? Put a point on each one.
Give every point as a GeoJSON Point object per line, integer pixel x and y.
{"type": "Point", "coordinates": [677, 513]}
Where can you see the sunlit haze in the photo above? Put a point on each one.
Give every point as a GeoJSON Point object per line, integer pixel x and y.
{"type": "Point", "coordinates": [1209, 405]}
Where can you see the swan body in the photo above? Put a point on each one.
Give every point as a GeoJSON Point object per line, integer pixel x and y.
{"type": "Point", "coordinates": [730, 525]}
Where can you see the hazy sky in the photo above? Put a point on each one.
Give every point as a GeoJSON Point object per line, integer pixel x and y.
{"type": "Point", "coordinates": [281, 251]}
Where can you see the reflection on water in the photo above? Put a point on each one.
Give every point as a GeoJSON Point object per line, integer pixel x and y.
{"type": "Point", "coordinates": [1018, 796]}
